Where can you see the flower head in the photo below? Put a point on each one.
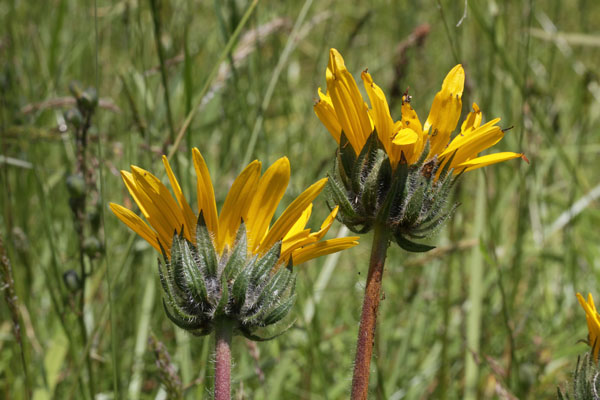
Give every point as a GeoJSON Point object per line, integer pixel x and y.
{"type": "Point", "coordinates": [342, 109]}
{"type": "Point", "coordinates": [400, 172]}
{"type": "Point", "coordinates": [227, 265]}
{"type": "Point", "coordinates": [593, 322]}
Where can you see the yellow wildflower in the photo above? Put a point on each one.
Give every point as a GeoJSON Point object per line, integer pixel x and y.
{"type": "Point", "coordinates": [253, 199]}
{"type": "Point", "coordinates": [593, 322]}
{"type": "Point", "coordinates": [342, 109]}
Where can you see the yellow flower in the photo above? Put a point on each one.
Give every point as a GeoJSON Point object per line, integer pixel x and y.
{"type": "Point", "coordinates": [253, 199]}
{"type": "Point", "coordinates": [593, 322]}
{"type": "Point", "coordinates": [342, 108]}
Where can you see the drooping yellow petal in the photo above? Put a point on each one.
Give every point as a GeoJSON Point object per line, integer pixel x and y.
{"type": "Point", "coordinates": [445, 110]}
{"type": "Point", "coordinates": [271, 188]}
{"type": "Point", "coordinates": [326, 224]}
{"type": "Point", "coordinates": [486, 160]}
{"type": "Point", "coordinates": [593, 323]}
{"type": "Point", "coordinates": [326, 113]}
{"type": "Point", "coordinates": [162, 200]}
{"type": "Point", "coordinates": [237, 203]}
{"type": "Point", "coordinates": [136, 224]}
{"type": "Point", "coordinates": [130, 185]}
{"type": "Point", "coordinates": [318, 249]}
{"type": "Point", "coordinates": [186, 210]}
{"type": "Point", "coordinates": [154, 216]}
{"type": "Point", "coordinates": [350, 108]}
{"type": "Point", "coordinates": [380, 114]}
{"type": "Point", "coordinates": [300, 224]}
{"type": "Point", "coordinates": [291, 214]}
{"type": "Point", "coordinates": [591, 302]}
{"type": "Point", "coordinates": [473, 121]}
{"type": "Point", "coordinates": [466, 147]}
{"type": "Point", "coordinates": [410, 120]}
{"type": "Point", "coordinates": [293, 242]}
{"type": "Point", "coordinates": [206, 194]}
{"type": "Point", "coordinates": [297, 235]}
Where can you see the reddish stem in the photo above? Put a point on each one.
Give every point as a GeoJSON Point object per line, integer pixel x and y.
{"type": "Point", "coordinates": [368, 319]}
{"type": "Point", "coordinates": [223, 334]}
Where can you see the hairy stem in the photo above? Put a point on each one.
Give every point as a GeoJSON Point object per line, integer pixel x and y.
{"type": "Point", "coordinates": [368, 319]}
{"type": "Point", "coordinates": [223, 335]}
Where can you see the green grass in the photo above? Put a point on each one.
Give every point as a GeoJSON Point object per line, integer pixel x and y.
{"type": "Point", "coordinates": [512, 276]}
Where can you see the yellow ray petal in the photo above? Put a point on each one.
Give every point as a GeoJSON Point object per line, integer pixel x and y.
{"type": "Point", "coordinates": [445, 110]}
{"type": "Point", "coordinates": [291, 214]}
{"type": "Point", "coordinates": [380, 113]}
{"type": "Point", "coordinates": [311, 251]}
{"type": "Point", "coordinates": [291, 243]}
{"type": "Point", "coordinates": [405, 136]}
{"type": "Point", "coordinates": [593, 322]}
{"type": "Point", "coordinates": [473, 121]}
{"type": "Point", "coordinates": [155, 217]}
{"type": "Point", "coordinates": [410, 120]}
{"type": "Point", "coordinates": [326, 224]}
{"type": "Point", "coordinates": [236, 204]}
{"type": "Point", "coordinates": [136, 224]}
{"type": "Point", "coordinates": [186, 210]}
{"type": "Point", "coordinates": [300, 223]}
{"type": "Point", "coordinates": [350, 108]}
{"type": "Point", "coordinates": [133, 191]}
{"type": "Point", "coordinates": [484, 131]}
{"type": "Point", "coordinates": [162, 201]}
{"type": "Point", "coordinates": [206, 194]}
{"type": "Point", "coordinates": [486, 160]}
{"type": "Point", "coordinates": [326, 113]}
{"type": "Point", "coordinates": [271, 188]}
{"type": "Point", "coordinates": [466, 147]}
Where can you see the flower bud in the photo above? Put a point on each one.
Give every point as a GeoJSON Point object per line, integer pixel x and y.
{"type": "Point", "coordinates": [92, 246]}
{"type": "Point", "coordinates": [72, 280]}
{"type": "Point", "coordinates": [76, 186]}
{"type": "Point", "coordinates": [74, 117]}
{"type": "Point", "coordinates": [88, 99]}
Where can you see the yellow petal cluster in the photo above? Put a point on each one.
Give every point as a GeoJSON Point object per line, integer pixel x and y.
{"type": "Point", "coordinates": [593, 322]}
{"type": "Point", "coordinates": [342, 108]}
{"type": "Point", "coordinates": [253, 199]}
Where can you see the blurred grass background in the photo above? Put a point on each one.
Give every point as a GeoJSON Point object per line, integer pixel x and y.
{"type": "Point", "coordinates": [491, 313]}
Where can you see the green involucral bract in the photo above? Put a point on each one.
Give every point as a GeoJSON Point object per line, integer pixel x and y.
{"type": "Point", "coordinates": [199, 287]}
{"type": "Point", "coordinates": [412, 200]}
